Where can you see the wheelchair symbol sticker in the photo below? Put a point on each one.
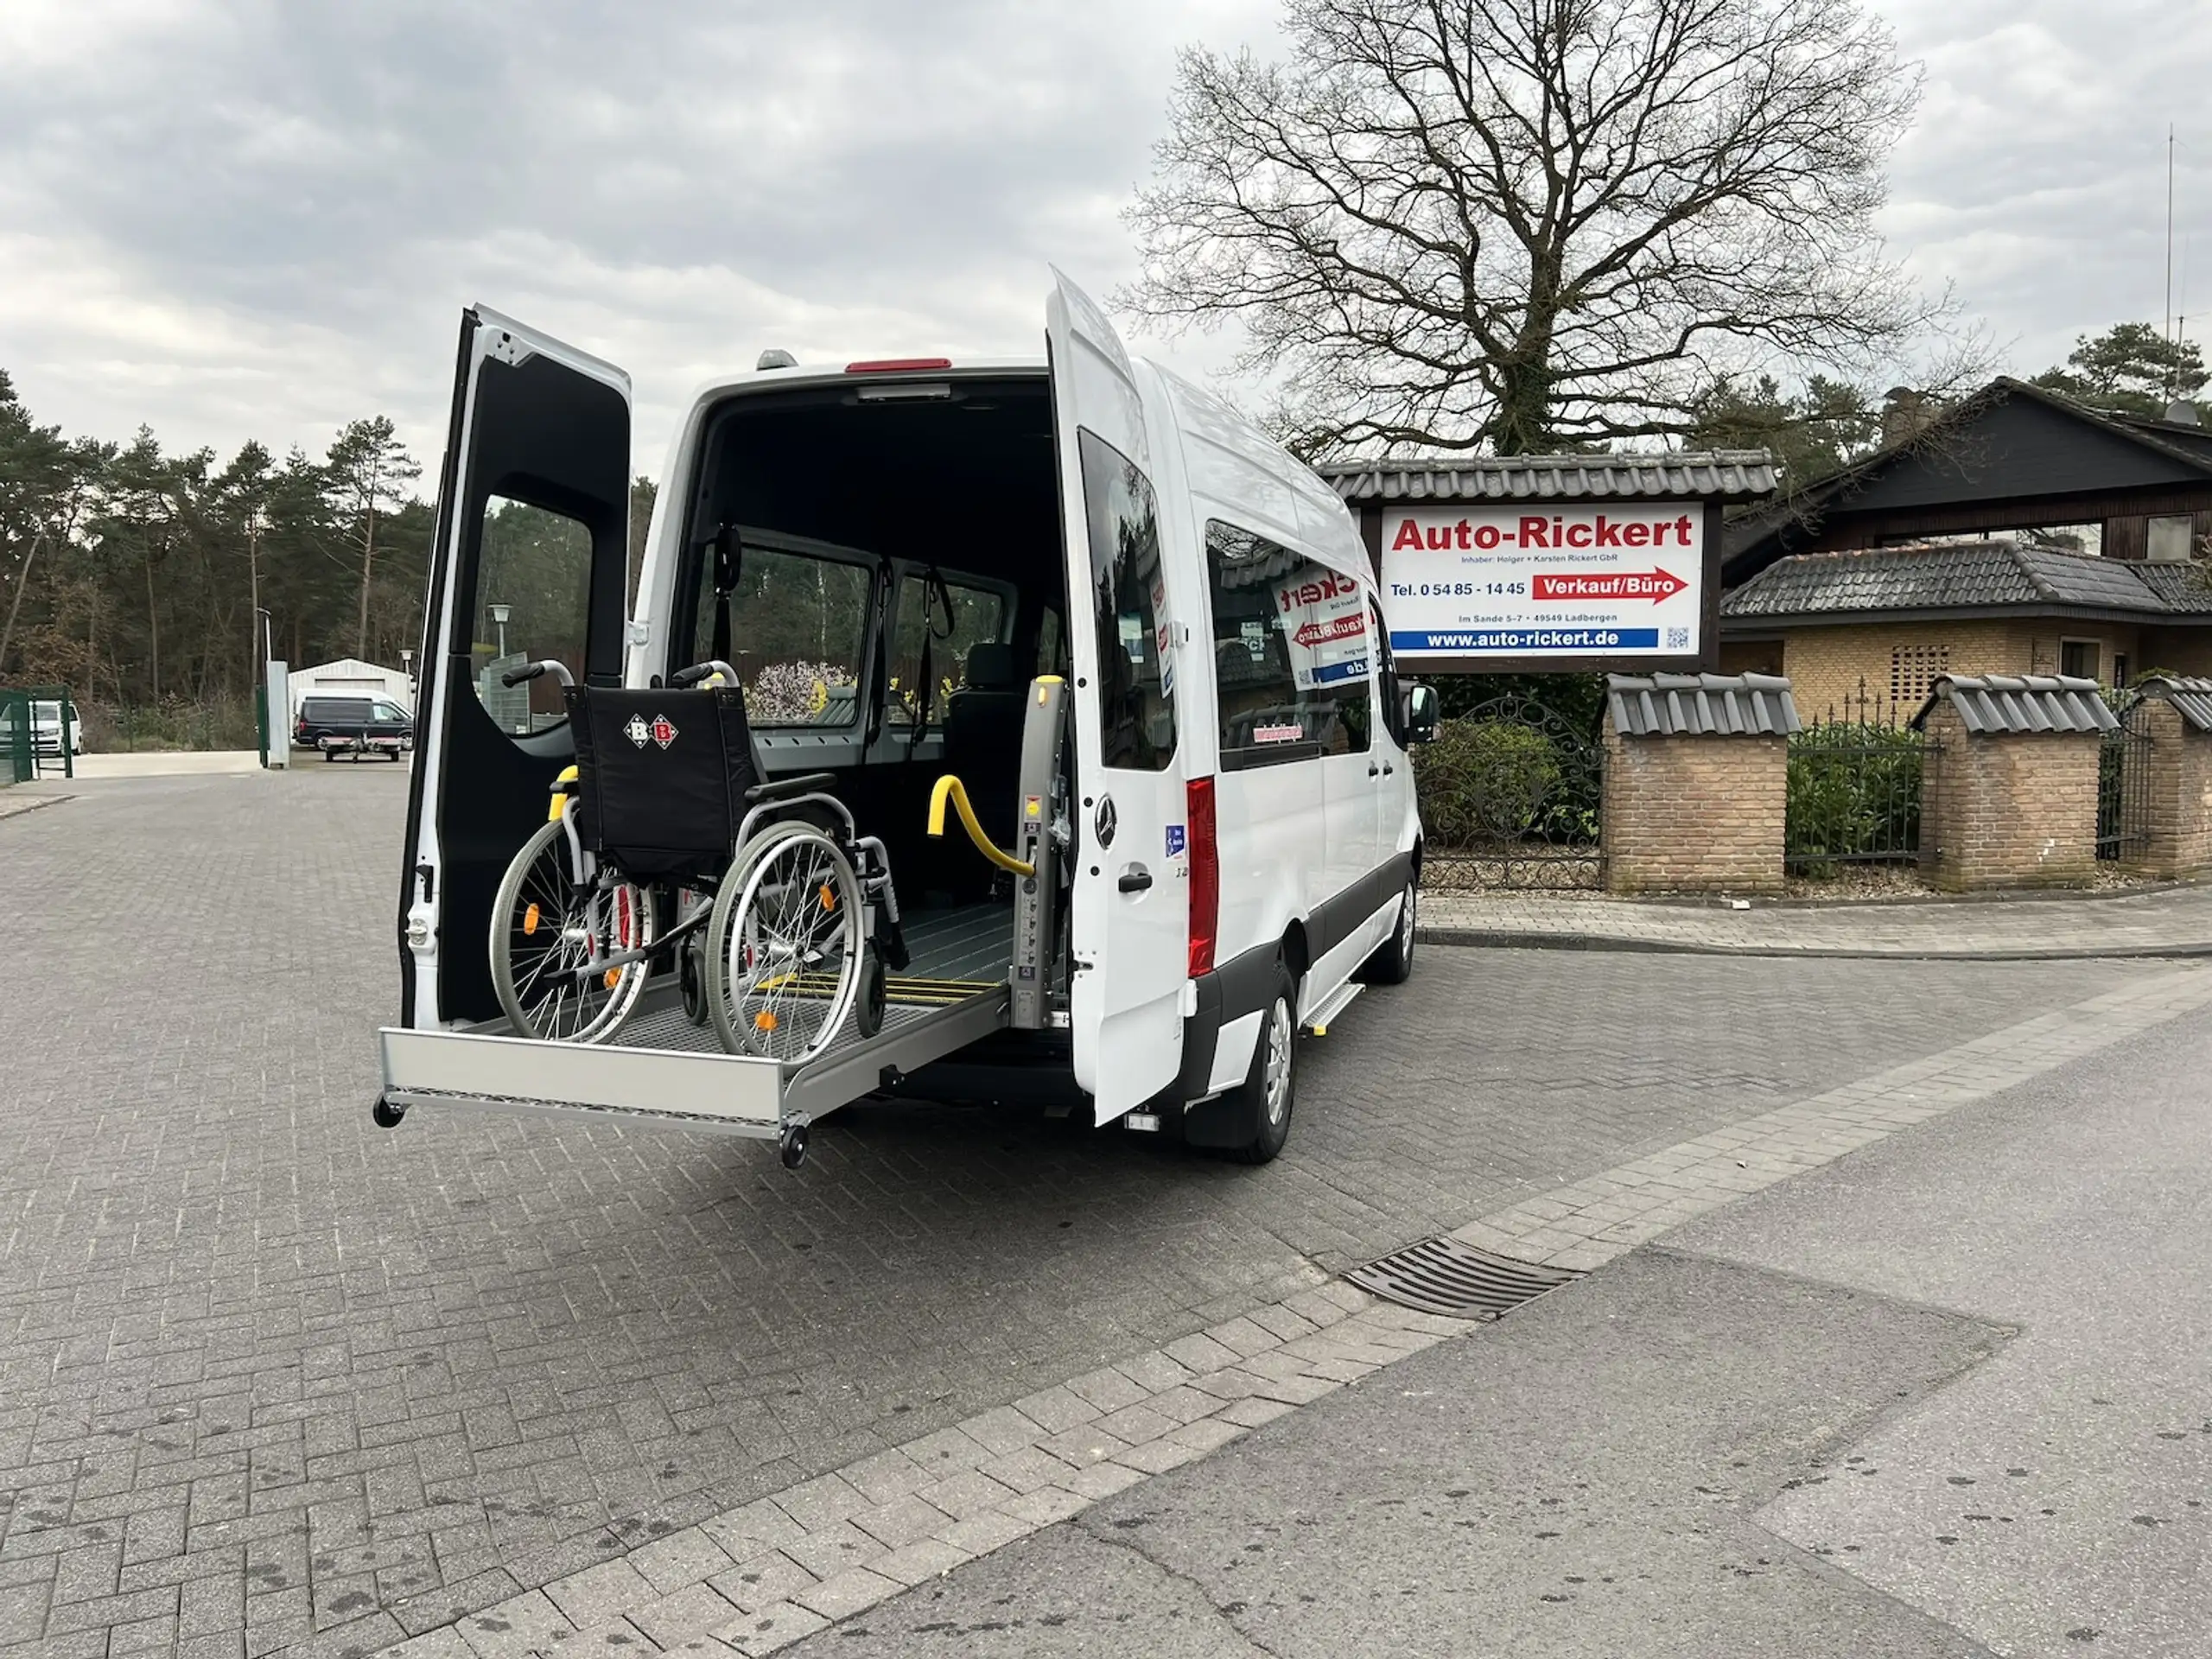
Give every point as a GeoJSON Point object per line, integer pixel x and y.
{"type": "Point", "coordinates": [1107, 820]}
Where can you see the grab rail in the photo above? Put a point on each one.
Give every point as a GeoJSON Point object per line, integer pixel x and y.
{"type": "Point", "coordinates": [950, 787]}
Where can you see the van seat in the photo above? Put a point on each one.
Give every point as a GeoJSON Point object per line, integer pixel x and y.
{"type": "Point", "coordinates": [983, 737]}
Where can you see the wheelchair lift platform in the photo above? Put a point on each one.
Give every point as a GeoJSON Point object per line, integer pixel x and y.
{"type": "Point", "coordinates": [664, 1068]}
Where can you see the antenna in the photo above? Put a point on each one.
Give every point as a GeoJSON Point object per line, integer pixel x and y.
{"type": "Point", "coordinates": [2169, 260]}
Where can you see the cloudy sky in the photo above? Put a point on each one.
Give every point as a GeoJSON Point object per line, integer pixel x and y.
{"type": "Point", "coordinates": [260, 217]}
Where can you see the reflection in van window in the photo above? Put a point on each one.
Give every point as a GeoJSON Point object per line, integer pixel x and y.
{"type": "Point", "coordinates": [978, 618]}
{"type": "Point", "coordinates": [797, 625]}
{"type": "Point", "coordinates": [1290, 653]}
{"type": "Point", "coordinates": [1136, 703]}
{"type": "Point", "coordinates": [533, 600]}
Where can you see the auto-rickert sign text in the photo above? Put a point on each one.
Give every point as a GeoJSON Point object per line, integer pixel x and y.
{"type": "Point", "coordinates": [1544, 581]}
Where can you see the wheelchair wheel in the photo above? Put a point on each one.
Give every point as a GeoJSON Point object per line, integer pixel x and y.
{"type": "Point", "coordinates": [545, 929]}
{"type": "Point", "coordinates": [785, 946]}
{"type": "Point", "coordinates": [868, 1010]}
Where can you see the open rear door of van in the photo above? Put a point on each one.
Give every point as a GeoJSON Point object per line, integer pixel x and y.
{"type": "Point", "coordinates": [530, 564]}
{"type": "Point", "coordinates": [1130, 914]}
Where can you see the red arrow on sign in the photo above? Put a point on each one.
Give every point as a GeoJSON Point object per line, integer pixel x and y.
{"type": "Point", "coordinates": [1653, 585]}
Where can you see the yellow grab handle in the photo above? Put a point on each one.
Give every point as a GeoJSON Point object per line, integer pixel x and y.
{"type": "Point", "coordinates": [950, 787]}
{"type": "Point", "coordinates": [560, 794]}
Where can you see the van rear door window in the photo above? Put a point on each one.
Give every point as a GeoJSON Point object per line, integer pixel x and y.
{"type": "Point", "coordinates": [1137, 700]}
{"type": "Point", "coordinates": [798, 624]}
{"type": "Point", "coordinates": [1290, 651]}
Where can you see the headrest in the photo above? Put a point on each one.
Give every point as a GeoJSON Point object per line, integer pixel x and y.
{"type": "Point", "coordinates": [990, 667]}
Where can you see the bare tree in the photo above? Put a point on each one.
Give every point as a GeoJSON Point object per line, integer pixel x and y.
{"type": "Point", "coordinates": [1515, 224]}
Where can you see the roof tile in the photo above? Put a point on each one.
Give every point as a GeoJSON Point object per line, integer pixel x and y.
{"type": "Point", "coordinates": [1725, 474]}
{"type": "Point", "coordinates": [1700, 705]}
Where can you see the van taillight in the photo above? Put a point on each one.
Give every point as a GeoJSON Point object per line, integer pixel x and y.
{"type": "Point", "coordinates": [1205, 875]}
{"type": "Point", "coordinates": [897, 365]}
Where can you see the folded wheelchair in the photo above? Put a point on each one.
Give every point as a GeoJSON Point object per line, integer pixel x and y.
{"type": "Point", "coordinates": [666, 843]}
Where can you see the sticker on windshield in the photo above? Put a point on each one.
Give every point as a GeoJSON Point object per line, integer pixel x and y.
{"type": "Point", "coordinates": [1277, 734]}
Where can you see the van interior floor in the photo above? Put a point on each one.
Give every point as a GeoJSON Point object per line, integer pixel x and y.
{"type": "Point", "coordinates": [955, 952]}
{"type": "Point", "coordinates": [961, 945]}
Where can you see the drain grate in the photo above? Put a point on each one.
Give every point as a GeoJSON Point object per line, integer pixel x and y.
{"type": "Point", "coordinates": [1442, 1275]}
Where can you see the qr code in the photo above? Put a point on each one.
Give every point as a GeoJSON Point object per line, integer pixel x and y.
{"type": "Point", "coordinates": [1678, 639]}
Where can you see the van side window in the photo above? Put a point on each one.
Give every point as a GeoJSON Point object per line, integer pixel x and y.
{"type": "Point", "coordinates": [1136, 703]}
{"type": "Point", "coordinates": [978, 619]}
{"type": "Point", "coordinates": [798, 623]}
{"type": "Point", "coordinates": [1385, 678]}
{"type": "Point", "coordinates": [1290, 651]}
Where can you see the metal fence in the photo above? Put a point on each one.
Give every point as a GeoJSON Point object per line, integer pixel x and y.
{"type": "Point", "coordinates": [2123, 783]}
{"type": "Point", "coordinates": [1511, 794]}
{"type": "Point", "coordinates": [1854, 789]}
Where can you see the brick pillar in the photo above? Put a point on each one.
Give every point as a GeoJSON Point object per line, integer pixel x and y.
{"type": "Point", "coordinates": [1693, 814]}
{"type": "Point", "coordinates": [2177, 782]}
{"type": "Point", "coordinates": [2006, 810]}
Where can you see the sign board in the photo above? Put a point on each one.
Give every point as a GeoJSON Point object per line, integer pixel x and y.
{"type": "Point", "coordinates": [1551, 585]}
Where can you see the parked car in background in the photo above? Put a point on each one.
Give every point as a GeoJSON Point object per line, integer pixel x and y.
{"type": "Point", "coordinates": [46, 726]}
{"type": "Point", "coordinates": [353, 726]}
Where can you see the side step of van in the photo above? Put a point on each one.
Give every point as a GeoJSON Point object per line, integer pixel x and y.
{"type": "Point", "coordinates": [667, 1070]}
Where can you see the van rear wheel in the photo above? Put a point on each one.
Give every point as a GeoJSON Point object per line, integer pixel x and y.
{"type": "Point", "coordinates": [1270, 1089]}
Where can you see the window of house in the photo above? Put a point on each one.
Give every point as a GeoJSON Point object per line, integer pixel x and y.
{"type": "Point", "coordinates": [1290, 653]}
{"type": "Point", "coordinates": [1914, 670]}
{"type": "Point", "coordinates": [951, 619]}
{"type": "Point", "coordinates": [2119, 669]}
{"type": "Point", "coordinates": [798, 623]}
{"type": "Point", "coordinates": [1137, 700]}
{"type": "Point", "coordinates": [2078, 657]}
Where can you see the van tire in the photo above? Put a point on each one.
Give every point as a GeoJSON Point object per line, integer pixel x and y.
{"type": "Point", "coordinates": [1270, 1091]}
{"type": "Point", "coordinates": [1394, 963]}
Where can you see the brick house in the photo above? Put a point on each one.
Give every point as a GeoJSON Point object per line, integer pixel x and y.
{"type": "Point", "coordinates": [2015, 532]}
{"type": "Point", "coordinates": [1880, 625]}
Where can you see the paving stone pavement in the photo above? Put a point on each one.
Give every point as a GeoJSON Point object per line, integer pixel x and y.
{"type": "Point", "coordinates": [2170, 921]}
{"type": "Point", "coordinates": [271, 1380]}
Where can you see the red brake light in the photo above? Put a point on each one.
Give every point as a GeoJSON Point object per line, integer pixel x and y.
{"type": "Point", "coordinates": [896, 365]}
{"type": "Point", "coordinates": [1205, 875]}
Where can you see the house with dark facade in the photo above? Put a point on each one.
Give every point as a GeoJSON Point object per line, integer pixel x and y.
{"type": "Point", "coordinates": [2015, 532]}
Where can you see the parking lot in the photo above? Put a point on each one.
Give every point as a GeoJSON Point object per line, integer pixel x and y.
{"type": "Point", "coordinates": [265, 1368]}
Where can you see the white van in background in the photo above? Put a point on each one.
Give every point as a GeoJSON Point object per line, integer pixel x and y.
{"type": "Point", "coordinates": [898, 557]}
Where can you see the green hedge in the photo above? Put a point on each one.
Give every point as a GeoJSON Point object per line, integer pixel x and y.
{"type": "Point", "coordinates": [1486, 781]}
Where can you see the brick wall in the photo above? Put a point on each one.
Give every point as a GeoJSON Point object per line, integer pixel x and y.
{"type": "Point", "coordinates": [1693, 814]}
{"type": "Point", "coordinates": [1826, 665]}
{"type": "Point", "coordinates": [2017, 811]}
{"type": "Point", "coordinates": [2177, 778]}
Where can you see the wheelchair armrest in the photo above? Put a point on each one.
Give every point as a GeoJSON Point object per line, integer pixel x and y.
{"type": "Point", "coordinates": [777, 789]}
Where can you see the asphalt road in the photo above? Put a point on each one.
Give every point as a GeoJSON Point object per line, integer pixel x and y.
{"type": "Point", "coordinates": [1946, 1395]}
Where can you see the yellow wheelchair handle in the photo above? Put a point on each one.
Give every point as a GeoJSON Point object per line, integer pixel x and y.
{"type": "Point", "coordinates": [950, 788]}
{"type": "Point", "coordinates": [561, 785]}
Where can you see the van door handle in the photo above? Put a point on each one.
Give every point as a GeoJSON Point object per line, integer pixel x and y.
{"type": "Point", "coordinates": [1374, 770]}
{"type": "Point", "coordinates": [1135, 879]}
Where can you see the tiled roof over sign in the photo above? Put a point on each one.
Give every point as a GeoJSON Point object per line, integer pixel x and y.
{"type": "Point", "coordinates": [1969, 576]}
{"type": "Point", "coordinates": [1998, 704]}
{"type": "Point", "coordinates": [1718, 475]}
{"type": "Point", "coordinates": [1700, 705]}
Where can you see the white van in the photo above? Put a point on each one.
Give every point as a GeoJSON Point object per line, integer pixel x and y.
{"type": "Point", "coordinates": [897, 557]}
